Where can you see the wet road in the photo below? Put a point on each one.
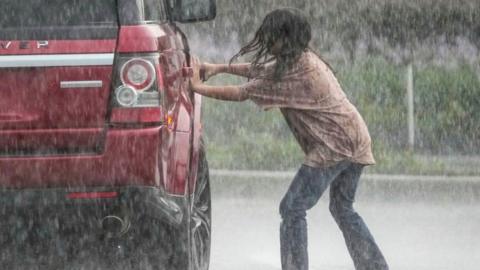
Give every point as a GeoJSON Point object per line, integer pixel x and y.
{"type": "Point", "coordinates": [413, 234]}
{"type": "Point", "coordinates": [419, 225]}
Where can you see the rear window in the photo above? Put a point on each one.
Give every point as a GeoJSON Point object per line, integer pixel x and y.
{"type": "Point", "coordinates": [134, 12]}
{"type": "Point", "coordinates": [51, 13]}
{"type": "Point", "coordinates": [155, 11]}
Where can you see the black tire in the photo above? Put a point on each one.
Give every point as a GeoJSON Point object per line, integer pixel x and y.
{"type": "Point", "coordinates": [201, 212]}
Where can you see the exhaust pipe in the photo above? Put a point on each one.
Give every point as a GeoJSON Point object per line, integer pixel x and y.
{"type": "Point", "coordinates": [114, 226]}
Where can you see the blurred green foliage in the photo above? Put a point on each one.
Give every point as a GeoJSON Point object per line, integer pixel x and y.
{"type": "Point", "coordinates": [405, 23]}
{"type": "Point", "coordinates": [378, 25]}
{"type": "Point", "coordinates": [448, 109]}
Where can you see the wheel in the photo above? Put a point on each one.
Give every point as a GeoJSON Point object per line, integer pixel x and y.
{"type": "Point", "coordinates": [200, 223]}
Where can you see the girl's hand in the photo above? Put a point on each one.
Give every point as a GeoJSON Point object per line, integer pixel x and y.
{"type": "Point", "coordinates": [208, 70]}
{"type": "Point", "coordinates": [195, 80]}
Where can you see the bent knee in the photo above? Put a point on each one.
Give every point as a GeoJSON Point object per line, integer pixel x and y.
{"type": "Point", "coordinates": [341, 210]}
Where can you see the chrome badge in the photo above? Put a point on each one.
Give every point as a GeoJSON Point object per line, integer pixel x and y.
{"type": "Point", "coordinates": [42, 44]}
{"type": "Point", "coordinates": [5, 44]}
{"type": "Point", "coordinates": [23, 45]}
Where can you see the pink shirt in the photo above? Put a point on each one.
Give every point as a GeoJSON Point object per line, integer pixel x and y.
{"type": "Point", "coordinates": [327, 126]}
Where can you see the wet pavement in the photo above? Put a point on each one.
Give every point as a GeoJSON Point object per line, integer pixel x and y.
{"type": "Point", "coordinates": [413, 234]}
{"type": "Point", "coordinates": [419, 225]}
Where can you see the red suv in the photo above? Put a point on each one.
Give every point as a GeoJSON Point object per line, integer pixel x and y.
{"type": "Point", "coordinates": [101, 159]}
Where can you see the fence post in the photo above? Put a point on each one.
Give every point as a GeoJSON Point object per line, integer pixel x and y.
{"type": "Point", "coordinates": [410, 104]}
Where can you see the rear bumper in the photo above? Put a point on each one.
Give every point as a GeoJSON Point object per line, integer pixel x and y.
{"type": "Point", "coordinates": [45, 227]}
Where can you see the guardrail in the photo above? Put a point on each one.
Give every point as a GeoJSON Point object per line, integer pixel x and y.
{"type": "Point", "coordinates": [376, 177]}
{"type": "Point", "coordinates": [268, 184]}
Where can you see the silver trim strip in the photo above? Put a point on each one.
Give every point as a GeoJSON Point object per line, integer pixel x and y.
{"type": "Point", "coordinates": [56, 60]}
{"type": "Point", "coordinates": [81, 84]}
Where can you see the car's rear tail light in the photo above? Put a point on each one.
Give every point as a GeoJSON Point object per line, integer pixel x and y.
{"type": "Point", "coordinates": [126, 96]}
{"type": "Point", "coordinates": [138, 73]}
{"type": "Point", "coordinates": [138, 83]}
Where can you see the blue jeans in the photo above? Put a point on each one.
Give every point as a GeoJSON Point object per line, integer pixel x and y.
{"type": "Point", "coordinates": [306, 189]}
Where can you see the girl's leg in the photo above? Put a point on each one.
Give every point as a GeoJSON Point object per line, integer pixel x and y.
{"type": "Point", "coordinates": [362, 247]}
{"type": "Point", "coordinates": [304, 192]}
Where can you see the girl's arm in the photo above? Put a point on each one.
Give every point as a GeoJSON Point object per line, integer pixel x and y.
{"type": "Point", "coordinates": [231, 93]}
{"type": "Point", "coordinates": [235, 69]}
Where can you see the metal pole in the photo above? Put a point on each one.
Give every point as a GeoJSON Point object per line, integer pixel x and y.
{"type": "Point", "coordinates": [410, 104]}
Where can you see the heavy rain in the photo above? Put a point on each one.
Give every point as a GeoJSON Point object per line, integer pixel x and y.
{"type": "Point", "coordinates": [110, 158]}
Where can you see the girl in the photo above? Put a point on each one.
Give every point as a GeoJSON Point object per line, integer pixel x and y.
{"type": "Point", "coordinates": [287, 75]}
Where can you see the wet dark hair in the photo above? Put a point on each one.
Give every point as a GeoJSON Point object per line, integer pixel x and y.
{"type": "Point", "coordinates": [286, 24]}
